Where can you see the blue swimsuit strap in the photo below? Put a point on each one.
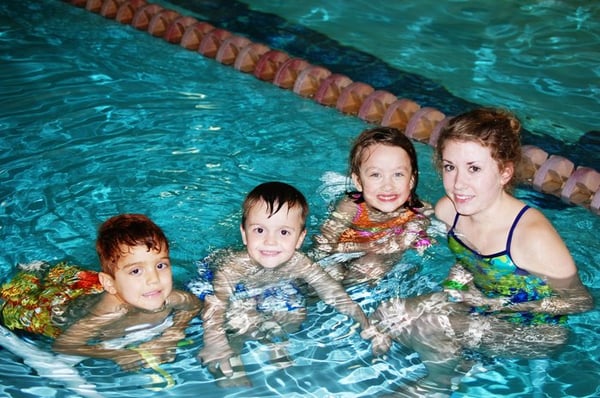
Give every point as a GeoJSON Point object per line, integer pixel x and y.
{"type": "Point", "coordinates": [510, 232]}
{"type": "Point", "coordinates": [512, 229]}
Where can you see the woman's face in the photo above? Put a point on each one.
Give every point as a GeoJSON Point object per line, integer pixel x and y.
{"type": "Point", "coordinates": [471, 177]}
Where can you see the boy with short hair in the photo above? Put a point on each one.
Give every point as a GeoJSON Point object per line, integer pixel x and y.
{"type": "Point", "coordinates": [254, 290]}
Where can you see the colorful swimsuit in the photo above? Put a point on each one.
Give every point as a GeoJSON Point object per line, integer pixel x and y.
{"type": "Point", "coordinates": [40, 294]}
{"type": "Point", "coordinates": [364, 230]}
{"type": "Point", "coordinates": [497, 276]}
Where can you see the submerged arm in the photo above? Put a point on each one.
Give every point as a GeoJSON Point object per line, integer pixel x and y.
{"type": "Point", "coordinates": [216, 344]}
{"type": "Point", "coordinates": [333, 293]}
{"type": "Point", "coordinates": [76, 339]}
{"type": "Point", "coordinates": [185, 307]}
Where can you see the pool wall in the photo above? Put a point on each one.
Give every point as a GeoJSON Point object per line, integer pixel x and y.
{"type": "Point", "coordinates": [552, 174]}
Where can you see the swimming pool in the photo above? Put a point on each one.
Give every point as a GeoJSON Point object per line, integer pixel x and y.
{"type": "Point", "coordinates": [100, 118]}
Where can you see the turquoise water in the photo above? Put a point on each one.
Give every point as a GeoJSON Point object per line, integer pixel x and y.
{"type": "Point", "coordinates": [98, 118]}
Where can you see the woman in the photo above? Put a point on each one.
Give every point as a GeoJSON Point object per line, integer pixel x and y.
{"type": "Point", "coordinates": [514, 281]}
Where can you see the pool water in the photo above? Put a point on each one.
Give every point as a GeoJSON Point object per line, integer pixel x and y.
{"type": "Point", "coordinates": [98, 118]}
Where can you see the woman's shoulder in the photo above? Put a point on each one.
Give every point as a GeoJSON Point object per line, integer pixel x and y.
{"type": "Point", "coordinates": [444, 210]}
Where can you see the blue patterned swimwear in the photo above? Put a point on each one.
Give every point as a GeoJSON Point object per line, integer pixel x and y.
{"type": "Point", "coordinates": [497, 276]}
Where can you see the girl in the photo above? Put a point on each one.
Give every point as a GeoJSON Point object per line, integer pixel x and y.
{"type": "Point", "coordinates": [384, 217]}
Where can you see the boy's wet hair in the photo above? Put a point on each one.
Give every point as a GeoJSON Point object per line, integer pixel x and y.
{"type": "Point", "coordinates": [275, 194]}
{"type": "Point", "coordinates": [119, 233]}
{"type": "Point", "coordinates": [392, 137]}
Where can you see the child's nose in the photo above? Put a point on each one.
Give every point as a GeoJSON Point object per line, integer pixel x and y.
{"type": "Point", "coordinates": [152, 276]}
{"type": "Point", "coordinates": [270, 238]}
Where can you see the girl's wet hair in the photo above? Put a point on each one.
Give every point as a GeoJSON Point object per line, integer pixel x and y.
{"type": "Point", "coordinates": [386, 136]}
{"type": "Point", "coordinates": [275, 194]}
{"type": "Point", "coordinates": [119, 233]}
{"type": "Point", "coordinates": [496, 129]}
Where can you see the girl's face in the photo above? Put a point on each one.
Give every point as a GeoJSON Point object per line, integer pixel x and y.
{"type": "Point", "coordinates": [471, 176]}
{"type": "Point", "coordinates": [272, 241]}
{"type": "Point", "coordinates": [143, 278]}
{"type": "Point", "coordinates": [385, 177]}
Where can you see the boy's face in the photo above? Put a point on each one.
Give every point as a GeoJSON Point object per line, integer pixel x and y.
{"type": "Point", "coordinates": [272, 241]}
{"type": "Point", "coordinates": [143, 278]}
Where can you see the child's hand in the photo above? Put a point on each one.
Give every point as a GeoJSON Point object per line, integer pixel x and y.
{"type": "Point", "coordinates": [225, 367]}
{"type": "Point", "coordinates": [323, 244]}
{"type": "Point", "coordinates": [216, 361]}
{"type": "Point", "coordinates": [131, 360]}
{"type": "Point", "coordinates": [381, 342]}
{"type": "Point", "coordinates": [160, 352]}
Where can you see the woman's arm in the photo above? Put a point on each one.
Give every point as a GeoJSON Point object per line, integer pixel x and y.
{"type": "Point", "coordinates": [538, 248]}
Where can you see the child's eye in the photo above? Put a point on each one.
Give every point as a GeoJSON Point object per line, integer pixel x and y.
{"type": "Point", "coordinates": [135, 271]}
{"type": "Point", "coordinates": [285, 232]}
{"type": "Point", "coordinates": [259, 230]}
{"type": "Point", "coordinates": [374, 175]}
{"type": "Point", "coordinates": [162, 265]}
{"type": "Point", "coordinates": [399, 174]}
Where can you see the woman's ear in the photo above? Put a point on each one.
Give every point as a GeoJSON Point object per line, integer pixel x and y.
{"type": "Point", "coordinates": [507, 173]}
{"type": "Point", "coordinates": [107, 282]}
{"type": "Point", "coordinates": [356, 181]}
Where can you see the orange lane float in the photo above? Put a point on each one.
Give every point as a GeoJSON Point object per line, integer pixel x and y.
{"type": "Point", "coordinates": [581, 186]}
{"type": "Point", "coordinates": [309, 80]}
{"type": "Point", "coordinates": [374, 106]}
{"type": "Point", "coordinates": [595, 203]}
{"type": "Point", "coordinates": [93, 5]}
{"type": "Point", "coordinates": [248, 57]}
{"type": "Point", "coordinates": [177, 28]}
{"type": "Point", "coordinates": [212, 41]}
{"type": "Point", "coordinates": [110, 7]}
{"type": "Point", "coordinates": [532, 159]}
{"type": "Point", "coordinates": [331, 88]}
{"type": "Point", "coordinates": [193, 35]}
{"type": "Point", "coordinates": [143, 16]}
{"type": "Point", "coordinates": [230, 48]}
{"type": "Point", "coordinates": [398, 113]}
{"type": "Point", "coordinates": [288, 72]}
{"type": "Point", "coordinates": [160, 22]}
{"type": "Point", "coordinates": [352, 97]}
{"type": "Point", "coordinates": [551, 176]}
{"type": "Point", "coordinates": [435, 133]}
{"type": "Point", "coordinates": [127, 10]}
{"type": "Point", "coordinates": [422, 123]}
{"type": "Point", "coordinates": [268, 65]}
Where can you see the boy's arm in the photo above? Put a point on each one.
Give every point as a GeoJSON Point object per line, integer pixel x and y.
{"type": "Point", "coordinates": [334, 294]}
{"type": "Point", "coordinates": [216, 345]}
{"type": "Point", "coordinates": [75, 341]}
{"type": "Point", "coordinates": [185, 307]}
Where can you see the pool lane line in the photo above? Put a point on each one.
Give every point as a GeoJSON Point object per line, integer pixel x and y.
{"type": "Point", "coordinates": [547, 173]}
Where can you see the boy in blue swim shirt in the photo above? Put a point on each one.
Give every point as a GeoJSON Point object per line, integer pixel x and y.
{"type": "Point", "coordinates": [248, 283]}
